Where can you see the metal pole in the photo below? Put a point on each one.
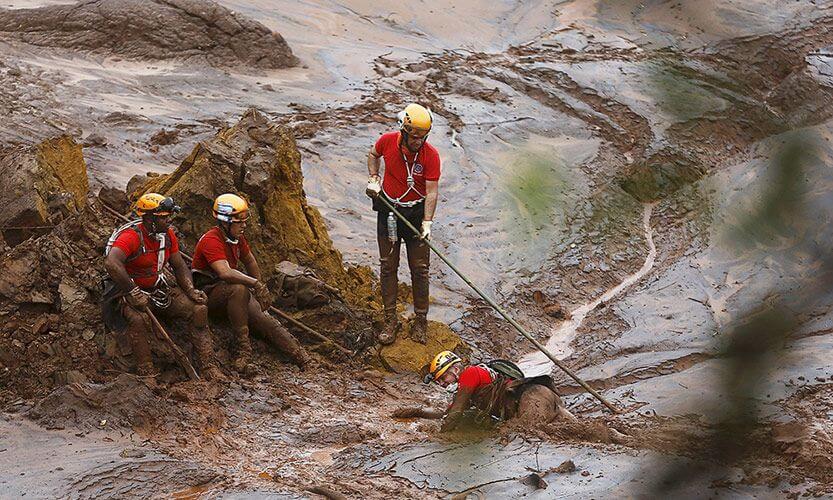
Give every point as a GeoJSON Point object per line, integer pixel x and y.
{"type": "Point", "coordinates": [503, 313]}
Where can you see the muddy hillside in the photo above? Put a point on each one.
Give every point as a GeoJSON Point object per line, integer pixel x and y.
{"type": "Point", "coordinates": [643, 185]}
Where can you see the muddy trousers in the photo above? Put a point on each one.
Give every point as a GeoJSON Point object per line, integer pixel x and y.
{"type": "Point", "coordinates": [418, 261]}
{"type": "Point", "coordinates": [139, 328]}
{"type": "Point", "coordinates": [236, 302]}
{"type": "Point", "coordinates": [539, 404]}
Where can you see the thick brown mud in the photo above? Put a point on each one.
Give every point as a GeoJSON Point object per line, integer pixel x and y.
{"type": "Point", "coordinates": [611, 106]}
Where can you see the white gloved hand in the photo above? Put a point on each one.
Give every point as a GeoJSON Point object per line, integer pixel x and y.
{"type": "Point", "coordinates": [426, 230]}
{"type": "Point", "coordinates": [374, 186]}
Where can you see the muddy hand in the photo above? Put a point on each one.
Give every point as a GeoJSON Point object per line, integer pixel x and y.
{"type": "Point", "coordinates": [263, 295]}
{"type": "Point", "coordinates": [416, 412]}
{"type": "Point", "coordinates": [374, 186]}
{"type": "Point", "coordinates": [137, 299]}
{"type": "Point", "coordinates": [198, 296]}
{"type": "Point", "coordinates": [407, 412]}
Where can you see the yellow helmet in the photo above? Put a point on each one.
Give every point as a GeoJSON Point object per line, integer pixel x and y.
{"type": "Point", "coordinates": [155, 204]}
{"type": "Point", "coordinates": [440, 364]}
{"type": "Point", "coordinates": [231, 208]}
{"type": "Point", "coordinates": [415, 118]}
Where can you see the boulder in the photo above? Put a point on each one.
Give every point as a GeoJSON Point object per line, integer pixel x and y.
{"type": "Point", "coordinates": [259, 160]}
{"type": "Point", "coordinates": [39, 186]}
{"type": "Point", "coordinates": [194, 30]}
{"type": "Point", "coordinates": [406, 355]}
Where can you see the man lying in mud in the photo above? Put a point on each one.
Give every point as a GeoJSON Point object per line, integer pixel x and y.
{"type": "Point", "coordinates": [488, 393]}
{"type": "Point", "coordinates": [136, 256]}
{"type": "Point", "coordinates": [240, 297]}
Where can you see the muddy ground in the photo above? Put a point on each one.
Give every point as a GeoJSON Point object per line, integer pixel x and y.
{"type": "Point", "coordinates": [588, 147]}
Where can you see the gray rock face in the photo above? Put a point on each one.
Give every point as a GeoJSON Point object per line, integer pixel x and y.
{"type": "Point", "coordinates": [194, 30]}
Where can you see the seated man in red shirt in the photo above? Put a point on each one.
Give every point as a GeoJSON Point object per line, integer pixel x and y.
{"type": "Point", "coordinates": [496, 391]}
{"type": "Point", "coordinates": [411, 184]}
{"type": "Point", "coordinates": [135, 260]}
{"type": "Point", "coordinates": [215, 267]}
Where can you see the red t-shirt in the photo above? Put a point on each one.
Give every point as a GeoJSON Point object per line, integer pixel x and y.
{"type": "Point", "coordinates": [473, 378]}
{"type": "Point", "coordinates": [213, 247]}
{"type": "Point", "coordinates": [425, 167]}
{"type": "Point", "coordinates": [143, 269]}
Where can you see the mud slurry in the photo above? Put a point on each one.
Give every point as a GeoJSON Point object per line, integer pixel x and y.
{"type": "Point", "coordinates": [635, 119]}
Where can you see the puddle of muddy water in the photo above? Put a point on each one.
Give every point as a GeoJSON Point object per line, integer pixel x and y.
{"type": "Point", "coordinates": [497, 471]}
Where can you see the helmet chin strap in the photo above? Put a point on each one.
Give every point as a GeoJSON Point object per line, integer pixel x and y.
{"type": "Point", "coordinates": [226, 228]}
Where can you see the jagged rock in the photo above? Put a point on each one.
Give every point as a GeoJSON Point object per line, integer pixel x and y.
{"type": "Point", "coordinates": [258, 159]}
{"type": "Point", "coordinates": [555, 310]}
{"type": "Point", "coordinates": [197, 30]}
{"type": "Point", "coordinates": [114, 198]}
{"type": "Point", "coordinates": [164, 137]}
{"type": "Point", "coordinates": [95, 140]}
{"type": "Point", "coordinates": [70, 294]}
{"type": "Point", "coordinates": [39, 186]}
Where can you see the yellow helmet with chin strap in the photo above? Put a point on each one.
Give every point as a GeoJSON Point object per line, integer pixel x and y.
{"type": "Point", "coordinates": [231, 208]}
{"type": "Point", "coordinates": [155, 204]}
{"type": "Point", "coordinates": [415, 118]}
{"type": "Point", "coordinates": [440, 364]}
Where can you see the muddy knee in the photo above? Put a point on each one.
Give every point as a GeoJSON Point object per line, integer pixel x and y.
{"type": "Point", "coordinates": [240, 292]}
{"type": "Point", "coordinates": [389, 265]}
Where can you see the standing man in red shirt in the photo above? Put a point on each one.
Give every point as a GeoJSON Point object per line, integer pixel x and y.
{"type": "Point", "coordinates": [135, 259]}
{"type": "Point", "coordinates": [410, 183]}
{"type": "Point", "coordinates": [215, 266]}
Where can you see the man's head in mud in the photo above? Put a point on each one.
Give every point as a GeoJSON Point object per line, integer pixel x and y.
{"type": "Point", "coordinates": [415, 124]}
{"type": "Point", "coordinates": [444, 369]}
{"type": "Point", "coordinates": [155, 211]}
{"type": "Point", "coordinates": [232, 213]}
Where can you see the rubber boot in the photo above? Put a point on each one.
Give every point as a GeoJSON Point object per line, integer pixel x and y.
{"type": "Point", "coordinates": [279, 337]}
{"type": "Point", "coordinates": [243, 357]}
{"type": "Point", "coordinates": [388, 334]}
{"type": "Point", "coordinates": [209, 370]}
{"type": "Point", "coordinates": [419, 329]}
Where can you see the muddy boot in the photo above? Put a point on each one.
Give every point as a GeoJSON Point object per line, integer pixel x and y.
{"type": "Point", "coordinates": [388, 334]}
{"type": "Point", "coordinates": [205, 357]}
{"type": "Point", "coordinates": [243, 357]}
{"type": "Point", "coordinates": [419, 329]}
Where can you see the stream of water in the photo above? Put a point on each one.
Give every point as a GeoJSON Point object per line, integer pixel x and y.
{"type": "Point", "coordinates": [536, 363]}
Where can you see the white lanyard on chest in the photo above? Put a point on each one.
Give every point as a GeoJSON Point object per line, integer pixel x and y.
{"type": "Point", "coordinates": [409, 168]}
{"type": "Point", "coordinates": [160, 256]}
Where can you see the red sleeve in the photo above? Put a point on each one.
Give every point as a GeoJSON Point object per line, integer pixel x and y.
{"type": "Point", "coordinates": [244, 247]}
{"type": "Point", "coordinates": [381, 142]}
{"type": "Point", "coordinates": [473, 377]}
{"type": "Point", "coordinates": [174, 241]}
{"type": "Point", "coordinates": [213, 249]}
{"type": "Point", "coordinates": [432, 166]}
{"type": "Point", "coordinates": [127, 242]}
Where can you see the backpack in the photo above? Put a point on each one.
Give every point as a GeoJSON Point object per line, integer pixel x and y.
{"type": "Point", "coordinates": [506, 368]}
{"type": "Point", "coordinates": [300, 287]}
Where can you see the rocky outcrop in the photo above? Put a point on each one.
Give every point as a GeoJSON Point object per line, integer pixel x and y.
{"type": "Point", "coordinates": [194, 30]}
{"type": "Point", "coordinates": [259, 160]}
{"type": "Point", "coordinates": [40, 185]}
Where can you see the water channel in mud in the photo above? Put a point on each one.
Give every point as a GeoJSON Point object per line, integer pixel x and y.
{"type": "Point", "coordinates": [536, 363]}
